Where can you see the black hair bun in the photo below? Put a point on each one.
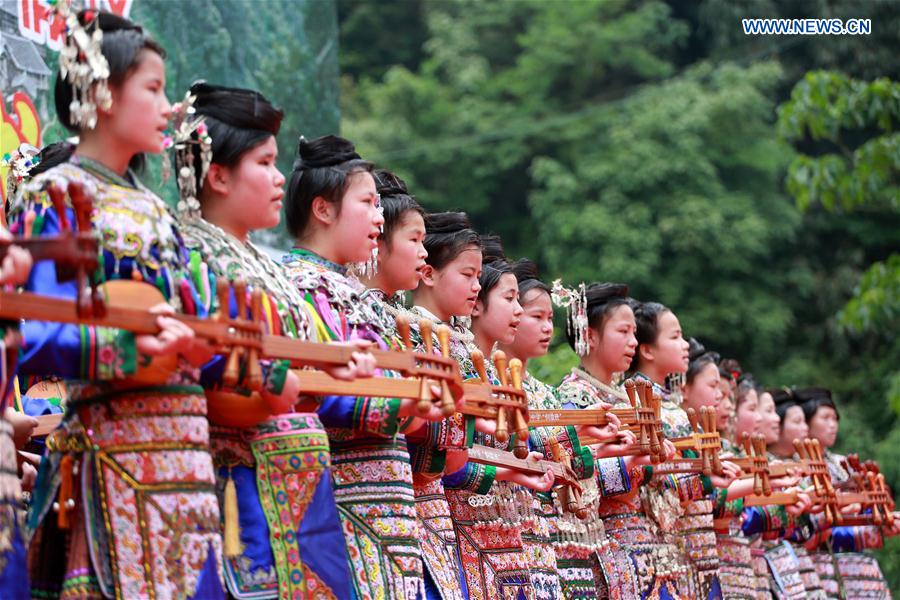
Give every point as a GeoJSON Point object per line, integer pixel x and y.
{"type": "Point", "coordinates": [389, 184]}
{"type": "Point", "coordinates": [812, 393]}
{"type": "Point", "coordinates": [492, 249]}
{"type": "Point", "coordinates": [526, 270]}
{"type": "Point", "coordinates": [325, 151]}
{"type": "Point", "coordinates": [240, 108]}
{"type": "Point", "coordinates": [733, 367]}
{"type": "Point", "coordinates": [695, 349]}
{"type": "Point", "coordinates": [600, 293]}
{"type": "Point", "coordinates": [446, 223]}
{"type": "Point", "coordinates": [783, 395]}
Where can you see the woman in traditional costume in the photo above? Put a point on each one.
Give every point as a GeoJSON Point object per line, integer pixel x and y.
{"type": "Point", "coordinates": [489, 519]}
{"type": "Point", "coordinates": [792, 573]}
{"type": "Point", "coordinates": [577, 547]}
{"type": "Point", "coordinates": [138, 516]}
{"type": "Point", "coordinates": [736, 573]}
{"type": "Point", "coordinates": [602, 331]}
{"type": "Point", "coordinates": [446, 294]}
{"type": "Point", "coordinates": [332, 211]}
{"type": "Point", "coordinates": [681, 505]}
{"type": "Point", "coordinates": [267, 456]}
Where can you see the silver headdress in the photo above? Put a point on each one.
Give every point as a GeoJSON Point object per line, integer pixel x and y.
{"type": "Point", "coordinates": [189, 131]}
{"type": "Point", "coordinates": [575, 302]}
{"type": "Point", "coordinates": [83, 66]}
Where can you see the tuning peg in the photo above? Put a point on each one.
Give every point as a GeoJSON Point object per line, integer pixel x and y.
{"type": "Point", "coordinates": [799, 449]}
{"type": "Point", "coordinates": [759, 443]}
{"type": "Point", "coordinates": [648, 393]}
{"type": "Point", "coordinates": [256, 302]}
{"type": "Point", "coordinates": [240, 295]}
{"type": "Point", "coordinates": [222, 288]}
{"type": "Point", "coordinates": [629, 390]}
{"type": "Point", "coordinates": [232, 367]}
{"type": "Point", "coordinates": [254, 370]}
{"type": "Point", "coordinates": [425, 328]}
{"type": "Point", "coordinates": [692, 418]}
{"type": "Point", "coordinates": [426, 397]}
{"type": "Point", "coordinates": [639, 386]}
{"type": "Point", "coordinates": [443, 333]}
{"type": "Point", "coordinates": [478, 362]}
{"type": "Point", "coordinates": [747, 444]}
{"type": "Point", "coordinates": [713, 425]}
{"type": "Point", "coordinates": [500, 364]}
{"type": "Point", "coordinates": [403, 329]}
{"type": "Point", "coordinates": [58, 199]}
{"type": "Point", "coordinates": [520, 449]}
{"type": "Point", "coordinates": [81, 205]}
{"type": "Point", "coordinates": [515, 373]}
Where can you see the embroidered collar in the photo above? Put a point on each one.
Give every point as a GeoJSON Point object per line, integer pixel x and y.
{"type": "Point", "coordinates": [426, 314]}
{"type": "Point", "coordinates": [458, 331]}
{"type": "Point", "coordinates": [311, 257]}
{"type": "Point", "coordinates": [583, 374]}
{"type": "Point", "coordinates": [103, 172]}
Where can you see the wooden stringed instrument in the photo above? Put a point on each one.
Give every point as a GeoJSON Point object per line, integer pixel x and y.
{"type": "Point", "coordinates": [75, 252]}
{"type": "Point", "coordinates": [704, 440]}
{"type": "Point", "coordinates": [642, 418]}
{"type": "Point", "coordinates": [506, 404]}
{"type": "Point", "coordinates": [872, 495]}
{"type": "Point", "coordinates": [564, 477]}
{"type": "Point", "coordinates": [756, 463]}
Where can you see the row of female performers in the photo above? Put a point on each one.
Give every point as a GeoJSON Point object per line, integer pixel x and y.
{"type": "Point", "coordinates": [357, 497]}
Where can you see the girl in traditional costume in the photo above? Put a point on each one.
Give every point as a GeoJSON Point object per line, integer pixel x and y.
{"type": "Point", "coordinates": [333, 212]}
{"type": "Point", "coordinates": [267, 457]}
{"type": "Point", "coordinates": [488, 519]}
{"type": "Point", "coordinates": [681, 505]}
{"type": "Point", "coordinates": [736, 573]}
{"type": "Point", "coordinates": [734, 533]}
{"type": "Point", "coordinates": [576, 546]}
{"type": "Point", "coordinates": [792, 573]}
{"type": "Point", "coordinates": [396, 269]}
{"type": "Point", "coordinates": [602, 331]}
{"type": "Point", "coordinates": [139, 515]}
{"type": "Point", "coordinates": [446, 294]}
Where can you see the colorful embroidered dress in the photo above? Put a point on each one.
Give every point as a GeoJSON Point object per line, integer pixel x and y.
{"type": "Point", "coordinates": [145, 517]}
{"type": "Point", "coordinates": [371, 471]}
{"type": "Point", "coordinates": [693, 529]}
{"type": "Point", "coordinates": [291, 539]}
{"type": "Point", "coordinates": [736, 572]}
{"type": "Point", "coordinates": [574, 544]}
{"type": "Point", "coordinates": [429, 448]}
{"type": "Point", "coordinates": [488, 517]}
{"type": "Point", "coordinates": [641, 566]}
{"type": "Point", "coordinates": [490, 552]}
{"type": "Point", "coordinates": [791, 573]}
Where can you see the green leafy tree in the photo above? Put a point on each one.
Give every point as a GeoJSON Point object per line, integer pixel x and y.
{"type": "Point", "coordinates": [849, 162]}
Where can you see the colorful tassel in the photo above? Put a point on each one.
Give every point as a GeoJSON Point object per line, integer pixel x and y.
{"type": "Point", "coordinates": [232, 525]}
